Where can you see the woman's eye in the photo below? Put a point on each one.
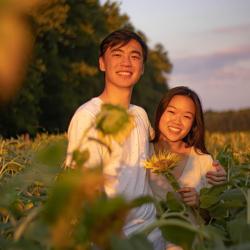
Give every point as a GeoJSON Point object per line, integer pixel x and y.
{"type": "Point", "coordinates": [187, 117]}
{"type": "Point", "coordinates": [170, 112]}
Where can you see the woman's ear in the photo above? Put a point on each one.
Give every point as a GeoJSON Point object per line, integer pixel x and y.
{"type": "Point", "coordinates": [101, 64]}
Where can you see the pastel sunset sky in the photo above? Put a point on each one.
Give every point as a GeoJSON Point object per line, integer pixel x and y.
{"type": "Point", "coordinates": [208, 43]}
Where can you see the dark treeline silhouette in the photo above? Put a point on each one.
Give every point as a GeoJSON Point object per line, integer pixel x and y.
{"type": "Point", "coordinates": [228, 121]}
{"type": "Point", "coordinates": [63, 72]}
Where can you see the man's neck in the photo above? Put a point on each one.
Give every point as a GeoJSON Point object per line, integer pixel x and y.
{"type": "Point", "coordinates": [117, 96]}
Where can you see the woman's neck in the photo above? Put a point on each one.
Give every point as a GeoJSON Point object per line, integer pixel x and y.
{"type": "Point", "coordinates": [178, 147]}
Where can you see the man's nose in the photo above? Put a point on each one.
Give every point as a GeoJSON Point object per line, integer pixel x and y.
{"type": "Point", "coordinates": [126, 60]}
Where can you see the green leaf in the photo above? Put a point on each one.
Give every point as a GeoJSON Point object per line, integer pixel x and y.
{"type": "Point", "coordinates": [80, 157]}
{"type": "Point", "coordinates": [60, 195]}
{"type": "Point", "coordinates": [233, 198]}
{"type": "Point", "coordinates": [140, 201]}
{"type": "Point", "coordinates": [218, 211]}
{"type": "Point", "coordinates": [173, 203]}
{"type": "Point", "coordinates": [179, 232]}
{"type": "Point", "coordinates": [135, 242]}
{"type": "Point", "coordinates": [20, 182]}
{"type": "Point", "coordinates": [225, 156]}
{"type": "Point", "coordinates": [244, 246]}
{"type": "Point", "coordinates": [210, 196]}
{"type": "Point", "coordinates": [239, 230]}
{"type": "Point", "coordinates": [52, 154]}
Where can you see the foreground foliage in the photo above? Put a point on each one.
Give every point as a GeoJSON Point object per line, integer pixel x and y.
{"type": "Point", "coordinates": [42, 206]}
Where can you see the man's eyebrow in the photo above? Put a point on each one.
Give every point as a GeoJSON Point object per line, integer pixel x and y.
{"type": "Point", "coordinates": [136, 52]}
{"type": "Point", "coordinates": [116, 50]}
{"type": "Point", "coordinates": [120, 50]}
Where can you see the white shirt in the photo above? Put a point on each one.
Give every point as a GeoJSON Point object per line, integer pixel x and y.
{"type": "Point", "coordinates": [124, 167]}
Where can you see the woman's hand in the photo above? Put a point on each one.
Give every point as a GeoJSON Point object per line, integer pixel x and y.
{"type": "Point", "coordinates": [218, 176]}
{"type": "Point", "coordinates": [189, 196]}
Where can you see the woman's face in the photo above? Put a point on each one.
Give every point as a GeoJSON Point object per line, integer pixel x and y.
{"type": "Point", "coordinates": [177, 119]}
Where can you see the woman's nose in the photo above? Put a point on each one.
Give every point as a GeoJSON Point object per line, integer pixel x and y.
{"type": "Point", "coordinates": [177, 119]}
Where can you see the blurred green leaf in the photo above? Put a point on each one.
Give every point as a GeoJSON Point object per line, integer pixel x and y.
{"type": "Point", "coordinates": [210, 196]}
{"type": "Point", "coordinates": [179, 232]}
{"type": "Point", "coordinates": [80, 157]}
{"type": "Point", "coordinates": [239, 230]}
{"type": "Point", "coordinates": [59, 196]}
{"type": "Point", "coordinates": [52, 154]}
{"type": "Point", "coordinates": [174, 203]}
{"type": "Point", "coordinates": [233, 198]}
{"type": "Point", "coordinates": [135, 242]}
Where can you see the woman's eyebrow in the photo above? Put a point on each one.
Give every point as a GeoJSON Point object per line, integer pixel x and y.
{"type": "Point", "coordinates": [170, 106]}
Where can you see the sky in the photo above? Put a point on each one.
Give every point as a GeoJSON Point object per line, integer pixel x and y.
{"type": "Point", "coordinates": [208, 43]}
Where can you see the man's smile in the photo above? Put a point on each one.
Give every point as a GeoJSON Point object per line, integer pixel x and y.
{"type": "Point", "coordinates": [124, 73]}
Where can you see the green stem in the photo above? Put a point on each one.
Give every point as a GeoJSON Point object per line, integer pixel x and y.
{"type": "Point", "coordinates": [26, 221]}
{"type": "Point", "coordinates": [172, 180]}
{"type": "Point", "coordinates": [176, 186]}
{"type": "Point", "coordinates": [248, 206]}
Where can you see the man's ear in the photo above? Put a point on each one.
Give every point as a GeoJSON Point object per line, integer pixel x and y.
{"type": "Point", "coordinates": [101, 64]}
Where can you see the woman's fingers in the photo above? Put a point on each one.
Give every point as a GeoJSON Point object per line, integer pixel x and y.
{"type": "Point", "coordinates": [189, 196]}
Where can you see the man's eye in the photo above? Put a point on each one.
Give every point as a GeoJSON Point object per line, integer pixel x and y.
{"type": "Point", "coordinates": [117, 55]}
{"type": "Point", "coordinates": [136, 57]}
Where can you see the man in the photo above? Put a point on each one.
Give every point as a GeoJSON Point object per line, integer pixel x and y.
{"type": "Point", "coordinates": [122, 57]}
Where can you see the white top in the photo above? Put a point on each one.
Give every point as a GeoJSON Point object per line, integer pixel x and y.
{"type": "Point", "coordinates": [193, 175]}
{"type": "Point", "coordinates": [124, 167]}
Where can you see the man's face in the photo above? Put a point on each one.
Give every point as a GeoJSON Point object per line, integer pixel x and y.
{"type": "Point", "coordinates": [123, 65]}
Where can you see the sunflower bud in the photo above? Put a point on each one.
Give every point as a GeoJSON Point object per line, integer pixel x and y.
{"type": "Point", "coordinates": [114, 122]}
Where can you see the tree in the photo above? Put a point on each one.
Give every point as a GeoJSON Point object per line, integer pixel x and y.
{"type": "Point", "coordinates": [63, 72]}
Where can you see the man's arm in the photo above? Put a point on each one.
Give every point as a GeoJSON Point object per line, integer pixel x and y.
{"type": "Point", "coordinates": [218, 176]}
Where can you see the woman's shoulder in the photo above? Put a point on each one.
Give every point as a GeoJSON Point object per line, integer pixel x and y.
{"type": "Point", "coordinates": [199, 154]}
{"type": "Point", "coordinates": [205, 160]}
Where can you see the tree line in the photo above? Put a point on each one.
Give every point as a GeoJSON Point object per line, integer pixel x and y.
{"type": "Point", "coordinates": [228, 121]}
{"type": "Point", "coordinates": [63, 71]}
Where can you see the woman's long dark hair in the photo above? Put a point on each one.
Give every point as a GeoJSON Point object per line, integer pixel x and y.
{"type": "Point", "coordinates": [196, 136]}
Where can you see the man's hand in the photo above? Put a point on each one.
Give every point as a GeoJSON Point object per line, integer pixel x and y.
{"type": "Point", "coordinates": [218, 176]}
{"type": "Point", "coordinates": [189, 196]}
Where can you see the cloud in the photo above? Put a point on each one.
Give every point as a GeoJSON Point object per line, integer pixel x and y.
{"type": "Point", "coordinates": [231, 62]}
{"type": "Point", "coordinates": [232, 30]}
{"type": "Point", "coordinates": [221, 79]}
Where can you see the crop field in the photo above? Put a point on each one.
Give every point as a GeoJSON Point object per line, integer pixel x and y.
{"type": "Point", "coordinates": [38, 197]}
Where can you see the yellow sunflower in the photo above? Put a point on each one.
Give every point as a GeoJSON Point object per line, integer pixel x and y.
{"type": "Point", "coordinates": [162, 162]}
{"type": "Point", "coordinates": [114, 122]}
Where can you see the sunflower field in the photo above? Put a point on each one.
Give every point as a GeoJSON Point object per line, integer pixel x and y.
{"type": "Point", "coordinates": [44, 206]}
